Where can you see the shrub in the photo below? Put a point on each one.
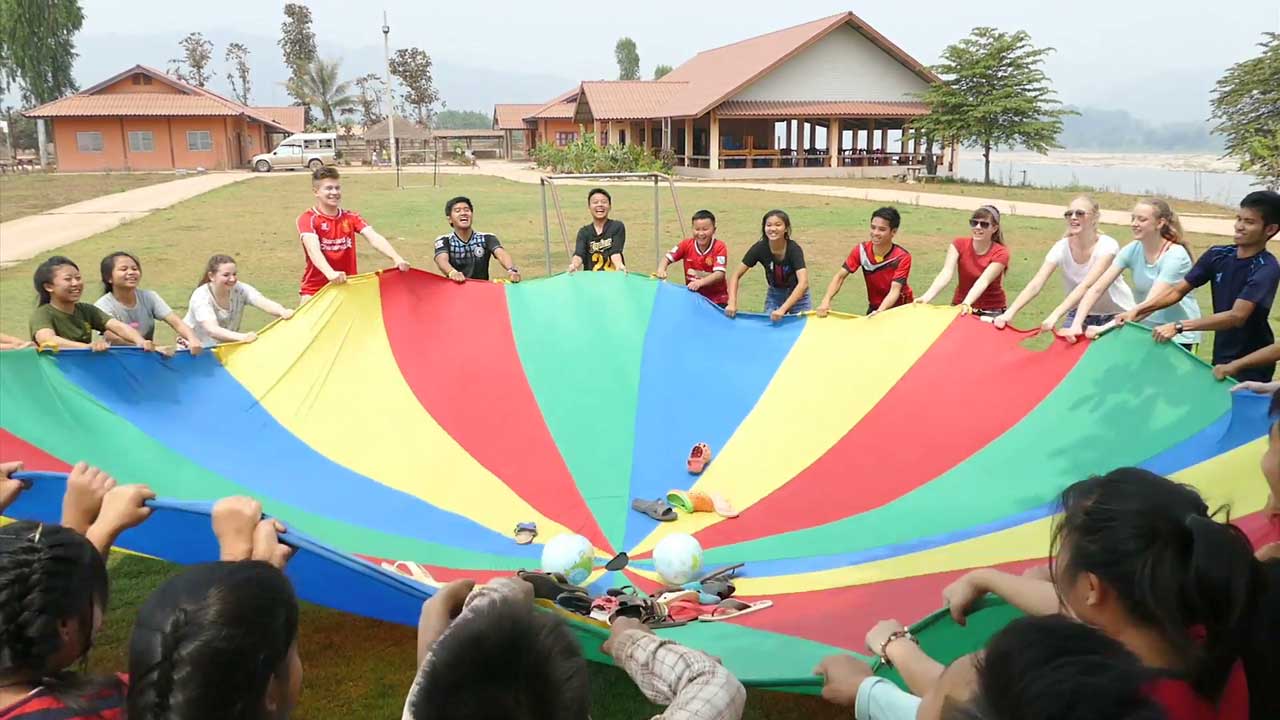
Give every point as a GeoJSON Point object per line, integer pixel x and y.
{"type": "Point", "coordinates": [584, 156]}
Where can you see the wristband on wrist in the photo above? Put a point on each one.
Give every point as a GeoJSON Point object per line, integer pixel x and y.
{"type": "Point", "coordinates": [895, 635]}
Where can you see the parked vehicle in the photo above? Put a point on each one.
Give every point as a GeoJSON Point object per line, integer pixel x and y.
{"type": "Point", "coordinates": [301, 150]}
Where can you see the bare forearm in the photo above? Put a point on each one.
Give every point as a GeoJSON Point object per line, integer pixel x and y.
{"type": "Point", "coordinates": [49, 337]}
{"type": "Point", "coordinates": [1031, 596]}
{"type": "Point", "coordinates": [918, 669]}
{"type": "Point", "coordinates": [713, 279]}
{"type": "Point", "coordinates": [217, 332]}
{"type": "Point", "coordinates": [381, 244]}
{"type": "Point", "coordinates": [801, 288]}
{"type": "Point", "coordinates": [1228, 320]}
{"type": "Point", "coordinates": [183, 330]}
{"type": "Point", "coordinates": [895, 292]}
{"type": "Point", "coordinates": [442, 262]}
{"type": "Point", "coordinates": [1171, 296]}
{"type": "Point", "coordinates": [939, 283]}
{"type": "Point", "coordinates": [1265, 356]}
{"type": "Point", "coordinates": [833, 287]}
{"type": "Point", "coordinates": [505, 258]}
{"type": "Point", "coordinates": [312, 245]}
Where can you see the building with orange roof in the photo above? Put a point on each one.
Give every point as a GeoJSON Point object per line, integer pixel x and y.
{"type": "Point", "coordinates": [828, 98]}
{"type": "Point", "coordinates": [144, 119]}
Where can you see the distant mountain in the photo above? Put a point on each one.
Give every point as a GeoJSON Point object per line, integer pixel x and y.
{"type": "Point", "coordinates": [1118, 130]}
{"type": "Point", "coordinates": [462, 86]}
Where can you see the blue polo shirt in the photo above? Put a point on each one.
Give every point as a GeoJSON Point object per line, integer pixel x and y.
{"type": "Point", "coordinates": [1231, 278]}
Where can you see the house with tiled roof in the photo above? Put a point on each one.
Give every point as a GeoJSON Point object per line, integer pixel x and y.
{"type": "Point", "coordinates": [145, 119]}
{"type": "Point", "coordinates": [831, 97]}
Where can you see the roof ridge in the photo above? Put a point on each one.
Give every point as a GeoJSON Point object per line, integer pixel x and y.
{"type": "Point", "coordinates": [827, 19]}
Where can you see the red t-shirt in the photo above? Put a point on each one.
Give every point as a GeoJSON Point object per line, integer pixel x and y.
{"type": "Point", "coordinates": [108, 704]}
{"type": "Point", "coordinates": [971, 267]}
{"type": "Point", "coordinates": [700, 264]}
{"type": "Point", "coordinates": [337, 242]}
{"type": "Point", "coordinates": [881, 273]}
{"type": "Point", "coordinates": [1181, 702]}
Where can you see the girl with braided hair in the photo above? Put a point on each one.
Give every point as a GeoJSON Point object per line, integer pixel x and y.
{"type": "Point", "coordinates": [219, 641]}
{"type": "Point", "coordinates": [53, 593]}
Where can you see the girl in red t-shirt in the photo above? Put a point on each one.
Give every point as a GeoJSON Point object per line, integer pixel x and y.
{"type": "Point", "coordinates": [1139, 557]}
{"type": "Point", "coordinates": [981, 260]}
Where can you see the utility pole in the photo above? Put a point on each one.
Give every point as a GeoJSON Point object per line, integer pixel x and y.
{"type": "Point", "coordinates": [391, 106]}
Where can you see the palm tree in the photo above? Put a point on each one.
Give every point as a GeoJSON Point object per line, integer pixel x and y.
{"type": "Point", "coordinates": [317, 86]}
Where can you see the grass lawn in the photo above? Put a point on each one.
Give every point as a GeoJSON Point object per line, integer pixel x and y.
{"type": "Point", "coordinates": [22, 195]}
{"type": "Point", "coordinates": [361, 667]}
{"type": "Point", "coordinates": [1051, 196]}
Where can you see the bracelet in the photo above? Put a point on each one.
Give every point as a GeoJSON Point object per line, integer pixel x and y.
{"type": "Point", "coordinates": [895, 635]}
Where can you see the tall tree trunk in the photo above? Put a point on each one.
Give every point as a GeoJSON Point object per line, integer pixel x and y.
{"type": "Point", "coordinates": [986, 163]}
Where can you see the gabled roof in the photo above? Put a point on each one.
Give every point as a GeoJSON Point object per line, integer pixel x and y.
{"type": "Point", "coordinates": [193, 100]}
{"type": "Point", "coordinates": [714, 76]}
{"type": "Point", "coordinates": [511, 117]}
{"type": "Point", "coordinates": [624, 99]}
{"type": "Point", "coordinates": [405, 130]}
{"type": "Point", "coordinates": [559, 108]}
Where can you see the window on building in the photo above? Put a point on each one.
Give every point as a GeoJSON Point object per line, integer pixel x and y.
{"type": "Point", "coordinates": [141, 141]}
{"type": "Point", "coordinates": [199, 140]}
{"type": "Point", "coordinates": [141, 79]}
{"type": "Point", "coordinates": [89, 141]}
{"type": "Point", "coordinates": [565, 138]}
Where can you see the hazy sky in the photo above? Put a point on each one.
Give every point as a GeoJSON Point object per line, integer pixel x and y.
{"type": "Point", "coordinates": [1158, 59]}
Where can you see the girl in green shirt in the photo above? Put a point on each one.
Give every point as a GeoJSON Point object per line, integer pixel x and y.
{"type": "Point", "coordinates": [62, 321]}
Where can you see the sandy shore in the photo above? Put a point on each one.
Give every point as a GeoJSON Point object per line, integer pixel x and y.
{"type": "Point", "coordinates": [1202, 162]}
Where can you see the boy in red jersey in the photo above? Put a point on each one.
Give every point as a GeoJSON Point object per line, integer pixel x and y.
{"type": "Point", "coordinates": [885, 266]}
{"type": "Point", "coordinates": [704, 257]}
{"type": "Point", "coordinates": [329, 236]}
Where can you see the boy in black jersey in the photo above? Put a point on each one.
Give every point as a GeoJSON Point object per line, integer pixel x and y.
{"type": "Point", "coordinates": [600, 243]}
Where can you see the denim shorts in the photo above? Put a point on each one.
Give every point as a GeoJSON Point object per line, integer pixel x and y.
{"type": "Point", "coordinates": [774, 298]}
{"type": "Point", "coordinates": [1089, 320]}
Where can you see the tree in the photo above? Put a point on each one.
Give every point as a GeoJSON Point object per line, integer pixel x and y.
{"type": "Point", "coordinates": [660, 71]}
{"type": "Point", "coordinates": [238, 76]}
{"type": "Point", "coordinates": [993, 93]}
{"type": "Point", "coordinates": [193, 66]}
{"type": "Point", "coordinates": [628, 59]}
{"type": "Point", "coordinates": [1246, 104]}
{"type": "Point", "coordinates": [463, 120]}
{"type": "Point", "coordinates": [37, 48]}
{"type": "Point", "coordinates": [22, 131]}
{"type": "Point", "coordinates": [413, 67]}
{"type": "Point", "coordinates": [298, 45]}
{"type": "Point", "coordinates": [369, 100]}
{"type": "Point", "coordinates": [318, 87]}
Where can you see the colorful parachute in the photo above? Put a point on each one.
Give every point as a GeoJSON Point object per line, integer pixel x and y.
{"type": "Point", "coordinates": [412, 423]}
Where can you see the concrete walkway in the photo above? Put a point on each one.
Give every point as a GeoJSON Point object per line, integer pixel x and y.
{"type": "Point", "coordinates": [26, 237]}
{"type": "Point", "coordinates": [522, 172]}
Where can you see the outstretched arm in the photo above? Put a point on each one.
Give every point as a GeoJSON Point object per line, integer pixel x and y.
{"type": "Point", "coordinates": [1171, 296]}
{"type": "Point", "coordinates": [731, 309]}
{"type": "Point", "coordinates": [129, 334]}
{"type": "Point", "coordinates": [1266, 356]}
{"type": "Point", "coordinates": [1090, 297]}
{"type": "Point", "coordinates": [1101, 266]}
{"type": "Point", "coordinates": [895, 292]}
{"type": "Point", "coordinates": [1225, 320]}
{"type": "Point", "coordinates": [802, 287]}
{"type": "Point", "coordinates": [943, 279]}
{"type": "Point", "coordinates": [1028, 293]}
{"type": "Point", "coordinates": [311, 242]}
{"type": "Point", "coordinates": [383, 246]}
{"type": "Point", "coordinates": [833, 289]}
{"type": "Point", "coordinates": [508, 264]}
{"type": "Point", "coordinates": [185, 332]}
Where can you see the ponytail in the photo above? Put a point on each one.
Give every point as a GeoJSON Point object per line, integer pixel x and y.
{"type": "Point", "coordinates": [1171, 230]}
{"type": "Point", "coordinates": [212, 266]}
{"type": "Point", "coordinates": [1173, 568]}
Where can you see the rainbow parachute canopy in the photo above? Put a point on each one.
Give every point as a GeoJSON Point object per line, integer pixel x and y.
{"type": "Point", "coordinates": [403, 425]}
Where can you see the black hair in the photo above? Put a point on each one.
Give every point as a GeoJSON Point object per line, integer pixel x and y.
{"type": "Point", "coordinates": [1267, 203]}
{"type": "Point", "coordinates": [704, 215]}
{"type": "Point", "coordinates": [786, 220]}
{"type": "Point", "coordinates": [890, 215]}
{"type": "Point", "coordinates": [1173, 567]}
{"type": "Point", "coordinates": [599, 191]}
{"type": "Point", "coordinates": [108, 267]}
{"type": "Point", "coordinates": [506, 660]}
{"type": "Point", "coordinates": [1054, 668]}
{"type": "Point", "coordinates": [49, 574]}
{"type": "Point", "coordinates": [324, 172]}
{"type": "Point", "coordinates": [44, 274]}
{"type": "Point", "coordinates": [448, 206]}
{"type": "Point", "coordinates": [207, 643]}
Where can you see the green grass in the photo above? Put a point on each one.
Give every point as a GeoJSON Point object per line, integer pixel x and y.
{"type": "Point", "coordinates": [22, 195]}
{"type": "Point", "coordinates": [361, 667]}
{"type": "Point", "coordinates": [1049, 195]}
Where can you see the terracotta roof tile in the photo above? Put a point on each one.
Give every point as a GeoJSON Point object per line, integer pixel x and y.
{"type": "Point", "coordinates": [819, 108]}
{"type": "Point", "coordinates": [511, 117]}
{"type": "Point", "coordinates": [291, 117]}
{"type": "Point", "coordinates": [627, 99]}
{"type": "Point", "coordinates": [713, 76]}
{"type": "Point", "coordinates": [132, 104]}
{"type": "Point", "coordinates": [560, 107]}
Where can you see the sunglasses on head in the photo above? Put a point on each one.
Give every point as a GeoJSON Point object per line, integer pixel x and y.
{"type": "Point", "coordinates": [976, 223]}
{"type": "Point", "coordinates": [1075, 213]}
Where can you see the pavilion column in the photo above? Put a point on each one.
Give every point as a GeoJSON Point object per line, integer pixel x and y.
{"type": "Point", "coordinates": [833, 141]}
{"type": "Point", "coordinates": [688, 142]}
{"type": "Point", "coordinates": [648, 136]}
{"type": "Point", "coordinates": [789, 145]}
{"type": "Point", "coordinates": [612, 137]}
{"type": "Point", "coordinates": [915, 145]}
{"type": "Point", "coordinates": [871, 135]}
{"type": "Point", "coordinates": [595, 130]}
{"type": "Point", "coordinates": [884, 139]}
{"type": "Point", "coordinates": [813, 135]}
{"type": "Point", "coordinates": [715, 141]}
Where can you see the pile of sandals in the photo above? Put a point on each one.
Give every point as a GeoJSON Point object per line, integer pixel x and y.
{"type": "Point", "coordinates": [707, 600]}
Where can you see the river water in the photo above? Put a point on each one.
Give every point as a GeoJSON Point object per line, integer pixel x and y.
{"type": "Point", "coordinates": [1189, 176]}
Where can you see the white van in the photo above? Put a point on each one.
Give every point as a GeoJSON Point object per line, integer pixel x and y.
{"type": "Point", "coordinates": [301, 150]}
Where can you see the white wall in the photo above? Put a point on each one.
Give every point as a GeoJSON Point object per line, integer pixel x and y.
{"type": "Point", "coordinates": [844, 65]}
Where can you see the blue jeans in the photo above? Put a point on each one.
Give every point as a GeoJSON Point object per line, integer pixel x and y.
{"type": "Point", "coordinates": [774, 298]}
{"type": "Point", "coordinates": [1090, 320]}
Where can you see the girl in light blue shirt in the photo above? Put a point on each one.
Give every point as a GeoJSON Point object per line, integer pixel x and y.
{"type": "Point", "coordinates": [1157, 258]}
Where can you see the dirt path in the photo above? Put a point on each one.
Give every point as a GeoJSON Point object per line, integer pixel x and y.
{"type": "Point", "coordinates": [521, 172]}
{"type": "Point", "coordinates": [26, 237]}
